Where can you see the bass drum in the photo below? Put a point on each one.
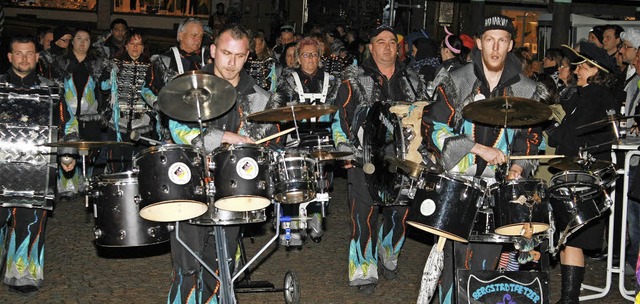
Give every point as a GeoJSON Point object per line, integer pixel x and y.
{"type": "Point", "coordinates": [382, 147]}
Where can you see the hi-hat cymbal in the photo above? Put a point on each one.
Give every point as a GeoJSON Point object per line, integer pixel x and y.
{"type": "Point", "coordinates": [180, 98]}
{"type": "Point", "coordinates": [301, 111]}
{"type": "Point", "coordinates": [576, 163]}
{"type": "Point", "coordinates": [329, 155]}
{"type": "Point", "coordinates": [518, 111]}
{"type": "Point", "coordinates": [85, 145]}
{"type": "Point", "coordinates": [606, 121]}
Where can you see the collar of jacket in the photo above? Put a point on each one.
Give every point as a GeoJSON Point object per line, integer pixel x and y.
{"type": "Point", "coordinates": [26, 82]}
{"type": "Point", "coordinates": [370, 67]}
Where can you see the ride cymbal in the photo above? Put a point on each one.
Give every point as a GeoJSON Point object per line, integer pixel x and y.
{"type": "Point", "coordinates": [196, 95]}
{"type": "Point", "coordinates": [85, 145]}
{"type": "Point", "coordinates": [576, 163]}
{"type": "Point", "coordinates": [606, 121]}
{"type": "Point", "coordinates": [301, 111]}
{"type": "Point", "coordinates": [518, 111]}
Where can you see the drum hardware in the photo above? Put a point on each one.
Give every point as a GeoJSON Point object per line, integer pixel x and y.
{"type": "Point", "coordinates": [507, 111]}
{"type": "Point", "coordinates": [329, 155]}
{"type": "Point", "coordinates": [85, 145]}
{"type": "Point", "coordinates": [293, 113]}
{"type": "Point", "coordinates": [196, 96]}
{"type": "Point", "coordinates": [293, 177]}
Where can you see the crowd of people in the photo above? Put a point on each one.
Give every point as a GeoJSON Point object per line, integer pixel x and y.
{"type": "Point", "coordinates": [110, 87]}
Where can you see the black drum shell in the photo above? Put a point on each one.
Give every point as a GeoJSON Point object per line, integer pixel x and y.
{"type": "Point", "coordinates": [227, 179]}
{"type": "Point", "coordinates": [446, 205]}
{"type": "Point", "coordinates": [156, 184]}
{"type": "Point", "coordinates": [582, 204]}
{"type": "Point", "coordinates": [118, 223]}
{"type": "Point", "coordinates": [509, 214]}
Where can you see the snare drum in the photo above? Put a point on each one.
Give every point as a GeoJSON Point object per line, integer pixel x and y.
{"type": "Point", "coordinates": [518, 202]}
{"type": "Point", "coordinates": [241, 177]}
{"type": "Point", "coordinates": [172, 186]}
{"type": "Point", "coordinates": [118, 223]}
{"type": "Point", "coordinates": [215, 216]}
{"type": "Point", "coordinates": [576, 198]}
{"type": "Point", "coordinates": [446, 205]}
{"type": "Point", "coordinates": [293, 177]}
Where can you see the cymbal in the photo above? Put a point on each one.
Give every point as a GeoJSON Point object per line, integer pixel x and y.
{"type": "Point", "coordinates": [301, 111]}
{"type": "Point", "coordinates": [85, 145]}
{"type": "Point", "coordinates": [180, 98]}
{"type": "Point", "coordinates": [519, 111]}
{"type": "Point", "coordinates": [608, 120]}
{"type": "Point", "coordinates": [412, 169]}
{"type": "Point", "coordinates": [576, 163]}
{"type": "Point", "coordinates": [329, 155]}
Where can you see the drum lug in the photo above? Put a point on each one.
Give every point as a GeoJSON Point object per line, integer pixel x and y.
{"type": "Point", "coordinates": [262, 185]}
{"type": "Point", "coordinates": [211, 189]}
{"type": "Point", "coordinates": [171, 227]}
{"type": "Point", "coordinates": [137, 199]}
{"type": "Point", "coordinates": [97, 232]}
{"type": "Point", "coordinates": [122, 234]}
{"type": "Point", "coordinates": [232, 159]}
{"type": "Point", "coordinates": [152, 231]}
{"type": "Point", "coordinates": [199, 190]}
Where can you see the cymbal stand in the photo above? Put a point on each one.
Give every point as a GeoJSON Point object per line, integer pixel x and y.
{"type": "Point", "coordinates": [506, 136]}
{"type": "Point", "coordinates": [295, 124]}
{"type": "Point", "coordinates": [83, 153]}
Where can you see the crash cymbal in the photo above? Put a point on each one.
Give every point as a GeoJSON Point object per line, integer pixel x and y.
{"type": "Point", "coordinates": [606, 121]}
{"type": "Point", "coordinates": [180, 98]}
{"type": "Point", "coordinates": [519, 111]}
{"type": "Point", "coordinates": [576, 163]}
{"type": "Point", "coordinates": [287, 113]}
{"type": "Point", "coordinates": [329, 155]}
{"type": "Point", "coordinates": [85, 145]}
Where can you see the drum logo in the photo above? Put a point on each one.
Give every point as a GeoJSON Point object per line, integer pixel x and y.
{"type": "Point", "coordinates": [428, 207]}
{"type": "Point", "coordinates": [179, 173]}
{"type": "Point", "coordinates": [247, 168]}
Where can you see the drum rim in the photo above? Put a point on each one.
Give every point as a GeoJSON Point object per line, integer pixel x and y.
{"type": "Point", "coordinates": [573, 172]}
{"type": "Point", "coordinates": [227, 146]}
{"type": "Point", "coordinates": [460, 178]}
{"type": "Point", "coordinates": [168, 147]}
{"type": "Point", "coordinates": [128, 175]}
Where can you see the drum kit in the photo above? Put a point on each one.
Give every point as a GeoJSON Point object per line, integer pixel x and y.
{"type": "Point", "coordinates": [465, 209]}
{"type": "Point", "coordinates": [233, 185]}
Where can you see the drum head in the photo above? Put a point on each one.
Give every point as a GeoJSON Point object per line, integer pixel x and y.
{"type": "Point", "coordinates": [173, 211]}
{"type": "Point", "coordinates": [242, 203]}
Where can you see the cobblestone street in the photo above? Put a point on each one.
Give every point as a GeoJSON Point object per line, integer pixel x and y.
{"type": "Point", "coordinates": [77, 272]}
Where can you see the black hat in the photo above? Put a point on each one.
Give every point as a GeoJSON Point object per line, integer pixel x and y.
{"type": "Point", "coordinates": [59, 32]}
{"type": "Point", "coordinates": [498, 22]}
{"type": "Point", "coordinates": [598, 31]}
{"type": "Point", "coordinates": [594, 55]}
{"type": "Point", "coordinates": [376, 31]}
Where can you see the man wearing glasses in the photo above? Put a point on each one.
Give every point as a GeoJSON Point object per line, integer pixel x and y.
{"type": "Point", "coordinates": [381, 79]}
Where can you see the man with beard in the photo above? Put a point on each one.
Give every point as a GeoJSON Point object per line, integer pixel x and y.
{"type": "Point", "coordinates": [115, 40]}
{"type": "Point", "coordinates": [472, 150]}
{"type": "Point", "coordinates": [22, 230]}
{"type": "Point", "coordinates": [190, 281]}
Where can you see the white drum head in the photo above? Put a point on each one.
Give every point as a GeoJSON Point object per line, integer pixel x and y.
{"type": "Point", "coordinates": [242, 203]}
{"type": "Point", "coordinates": [173, 211]}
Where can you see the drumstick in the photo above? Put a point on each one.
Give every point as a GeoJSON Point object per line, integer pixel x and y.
{"type": "Point", "coordinates": [516, 157]}
{"type": "Point", "coordinates": [270, 137]}
{"type": "Point", "coordinates": [441, 241]}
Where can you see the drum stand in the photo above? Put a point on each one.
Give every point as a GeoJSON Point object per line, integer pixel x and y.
{"type": "Point", "coordinates": [225, 277]}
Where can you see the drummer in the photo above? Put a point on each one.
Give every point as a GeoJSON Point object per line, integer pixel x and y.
{"type": "Point", "coordinates": [230, 51]}
{"type": "Point", "coordinates": [476, 150]}
{"type": "Point", "coordinates": [593, 101]}
{"type": "Point", "coordinates": [356, 95]}
{"type": "Point", "coordinates": [308, 83]}
{"type": "Point", "coordinates": [23, 228]}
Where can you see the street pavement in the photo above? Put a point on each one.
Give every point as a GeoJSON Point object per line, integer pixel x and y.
{"type": "Point", "coordinates": [77, 271]}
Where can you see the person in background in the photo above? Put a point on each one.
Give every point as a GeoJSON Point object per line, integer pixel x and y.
{"type": "Point", "coordinates": [114, 41]}
{"type": "Point", "coordinates": [58, 47]}
{"type": "Point", "coordinates": [287, 35]}
{"type": "Point", "coordinates": [426, 60]}
{"type": "Point", "coordinates": [592, 102]}
{"type": "Point", "coordinates": [453, 52]}
{"type": "Point", "coordinates": [596, 35]}
{"type": "Point", "coordinates": [45, 37]}
{"type": "Point", "coordinates": [22, 230]}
